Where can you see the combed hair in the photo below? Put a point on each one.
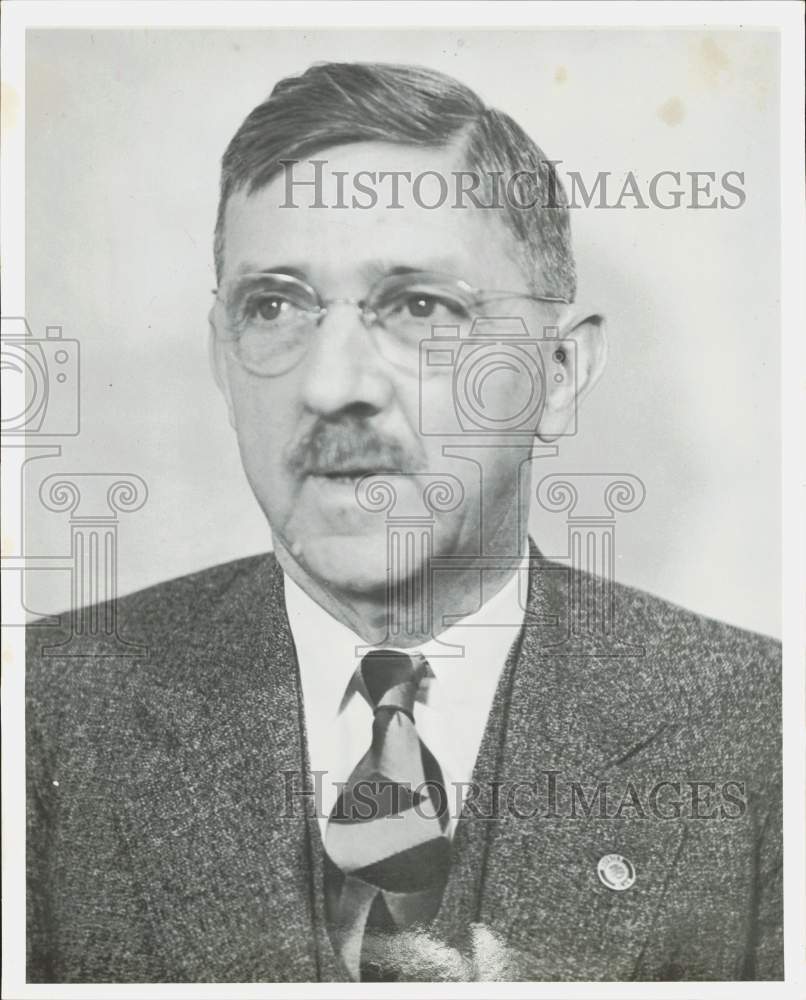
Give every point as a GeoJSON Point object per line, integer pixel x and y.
{"type": "Point", "coordinates": [335, 104]}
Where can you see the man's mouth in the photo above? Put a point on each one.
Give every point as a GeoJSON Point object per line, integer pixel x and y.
{"type": "Point", "coordinates": [352, 473]}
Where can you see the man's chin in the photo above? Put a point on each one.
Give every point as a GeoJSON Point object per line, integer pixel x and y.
{"type": "Point", "coordinates": [354, 563]}
{"type": "Point", "coordinates": [337, 531]}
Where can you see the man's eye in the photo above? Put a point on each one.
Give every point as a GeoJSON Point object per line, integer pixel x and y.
{"type": "Point", "coordinates": [268, 308]}
{"type": "Point", "coordinates": [423, 306]}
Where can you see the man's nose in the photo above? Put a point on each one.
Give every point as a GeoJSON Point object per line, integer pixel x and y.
{"type": "Point", "coordinates": [343, 369]}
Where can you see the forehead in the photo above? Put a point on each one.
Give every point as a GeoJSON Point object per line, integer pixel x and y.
{"type": "Point", "coordinates": [323, 231]}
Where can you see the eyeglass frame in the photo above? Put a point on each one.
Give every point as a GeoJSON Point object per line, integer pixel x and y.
{"type": "Point", "coordinates": [370, 317]}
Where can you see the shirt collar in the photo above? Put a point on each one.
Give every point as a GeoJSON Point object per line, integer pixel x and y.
{"type": "Point", "coordinates": [329, 661]}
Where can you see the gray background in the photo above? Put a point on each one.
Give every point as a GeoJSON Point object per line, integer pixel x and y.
{"type": "Point", "coordinates": [125, 130]}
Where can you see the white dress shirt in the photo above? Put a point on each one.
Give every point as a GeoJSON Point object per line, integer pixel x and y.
{"type": "Point", "coordinates": [450, 713]}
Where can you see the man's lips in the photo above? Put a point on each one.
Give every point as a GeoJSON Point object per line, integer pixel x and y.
{"type": "Point", "coordinates": [353, 472]}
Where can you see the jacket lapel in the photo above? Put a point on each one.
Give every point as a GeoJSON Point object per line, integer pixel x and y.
{"type": "Point", "coordinates": [220, 850]}
{"type": "Point", "coordinates": [230, 867]}
{"type": "Point", "coordinates": [525, 901]}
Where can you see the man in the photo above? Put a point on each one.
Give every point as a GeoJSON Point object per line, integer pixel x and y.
{"type": "Point", "coordinates": [383, 752]}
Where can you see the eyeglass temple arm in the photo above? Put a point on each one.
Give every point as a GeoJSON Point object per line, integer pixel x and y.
{"type": "Point", "coordinates": [499, 296]}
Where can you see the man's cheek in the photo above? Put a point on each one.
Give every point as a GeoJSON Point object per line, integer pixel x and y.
{"type": "Point", "coordinates": [263, 414]}
{"type": "Point", "coordinates": [434, 412]}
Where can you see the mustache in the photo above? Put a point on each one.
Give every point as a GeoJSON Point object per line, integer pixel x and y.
{"type": "Point", "coordinates": [349, 446]}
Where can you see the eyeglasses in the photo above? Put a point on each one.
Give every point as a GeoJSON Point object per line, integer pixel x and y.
{"type": "Point", "coordinates": [271, 318]}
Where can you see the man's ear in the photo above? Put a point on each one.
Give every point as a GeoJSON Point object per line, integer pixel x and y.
{"type": "Point", "coordinates": [573, 367]}
{"type": "Point", "coordinates": [219, 363]}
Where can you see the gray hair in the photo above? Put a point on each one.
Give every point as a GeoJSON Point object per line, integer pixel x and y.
{"type": "Point", "coordinates": [335, 104]}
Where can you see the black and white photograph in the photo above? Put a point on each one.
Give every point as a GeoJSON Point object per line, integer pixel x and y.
{"type": "Point", "coordinates": [402, 475]}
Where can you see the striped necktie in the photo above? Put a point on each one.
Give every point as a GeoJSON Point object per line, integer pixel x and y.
{"type": "Point", "coordinates": [387, 849]}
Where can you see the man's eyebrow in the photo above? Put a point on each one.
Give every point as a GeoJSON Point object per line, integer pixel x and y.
{"type": "Point", "coordinates": [247, 267]}
{"type": "Point", "coordinates": [402, 270]}
{"type": "Point", "coordinates": [446, 265]}
{"type": "Point", "coordinates": [372, 269]}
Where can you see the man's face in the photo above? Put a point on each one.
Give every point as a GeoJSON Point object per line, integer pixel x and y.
{"type": "Point", "coordinates": [309, 434]}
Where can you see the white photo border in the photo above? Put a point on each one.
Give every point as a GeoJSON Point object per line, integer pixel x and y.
{"type": "Point", "coordinates": [786, 18]}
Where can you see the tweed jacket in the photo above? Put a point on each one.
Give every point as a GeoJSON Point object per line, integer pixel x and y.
{"type": "Point", "coordinates": [170, 838]}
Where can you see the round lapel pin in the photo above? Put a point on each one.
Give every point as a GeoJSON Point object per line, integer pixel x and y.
{"type": "Point", "coordinates": [616, 872]}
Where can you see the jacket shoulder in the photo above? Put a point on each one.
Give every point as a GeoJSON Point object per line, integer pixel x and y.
{"type": "Point", "coordinates": [166, 616]}
{"type": "Point", "coordinates": [657, 660]}
{"type": "Point", "coordinates": [665, 626]}
{"type": "Point", "coordinates": [640, 618]}
{"type": "Point", "coordinates": [189, 597]}
{"type": "Point", "coordinates": [727, 678]}
{"type": "Point", "coordinates": [169, 598]}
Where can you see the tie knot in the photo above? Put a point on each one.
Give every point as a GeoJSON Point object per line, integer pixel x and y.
{"type": "Point", "coordinates": [392, 678]}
